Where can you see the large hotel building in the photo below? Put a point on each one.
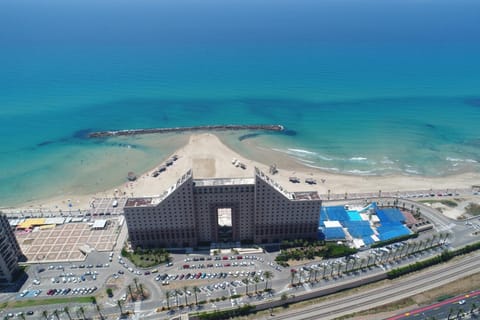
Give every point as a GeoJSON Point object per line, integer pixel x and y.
{"type": "Point", "coordinates": [9, 251]}
{"type": "Point", "coordinates": [197, 212]}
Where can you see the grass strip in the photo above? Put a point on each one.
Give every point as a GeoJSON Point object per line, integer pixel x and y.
{"type": "Point", "coordinates": [44, 302]}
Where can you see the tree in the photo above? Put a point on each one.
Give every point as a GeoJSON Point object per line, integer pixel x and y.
{"type": "Point", "coordinates": [195, 291]}
{"type": "Point", "coordinates": [245, 281]}
{"type": "Point", "coordinates": [268, 275]}
{"type": "Point", "coordinates": [82, 311]}
{"type": "Point", "coordinates": [45, 314]}
{"type": "Point", "coordinates": [130, 291]}
{"type": "Point", "coordinates": [141, 291]}
{"type": "Point", "coordinates": [474, 306]}
{"type": "Point", "coordinates": [339, 267]}
{"type": "Point", "coordinates": [135, 280]}
{"type": "Point", "coordinates": [67, 311]}
{"type": "Point", "coordinates": [119, 304]}
{"type": "Point", "coordinates": [176, 296]}
{"type": "Point", "coordinates": [293, 272]}
{"type": "Point", "coordinates": [256, 279]}
{"type": "Point", "coordinates": [98, 310]}
{"type": "Point", "coordinates": [168, 295]}
{"type": "Point", "coordinates": [185, 289]}
{"type": "Point", "coordinates": [433, 239]}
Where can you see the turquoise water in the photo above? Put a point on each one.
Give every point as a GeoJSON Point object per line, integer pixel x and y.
{"type": "Point", "coordinates": [370, 88]}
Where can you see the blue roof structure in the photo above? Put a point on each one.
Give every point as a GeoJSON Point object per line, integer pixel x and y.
{"type": "Point", "coordinates": [358, 229]}
{"type": "Point", "coordinates": [336, 213]}
{"type": "Point", "coordinates": [390, 215]}
{"type": "Point", "coordinates": [391, 224]}
{"type": "Point", "coordinates": [336, 233]}
{"type": "Point", "coordinates": [391, 231]}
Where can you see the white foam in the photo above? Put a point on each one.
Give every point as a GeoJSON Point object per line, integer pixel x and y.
{"type": "Point", "coordinates": [301, 151]}
{"type": "Point", "coordinates": [322, 168]}
{"type": "Point", "coordinates": [411, 171]}
{"type": "Point", "coordinates": [361, 172]}
{"type": "Point", "coordinates": [460, 160]}
{"type": "Point", "coordinates": [387, 161]}
{"type": "Point", "coordinates": [358, 159]}
{"type": "Point", "coordinates": [305, 161]}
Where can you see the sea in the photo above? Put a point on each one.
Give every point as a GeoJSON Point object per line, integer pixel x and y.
{"type": "Point", "coordinates": [369, 87]}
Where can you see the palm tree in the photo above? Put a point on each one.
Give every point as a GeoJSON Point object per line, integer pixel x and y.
{"type": "Point", "coordinates": [315, 273]}
{"type": "Point", "coordinates": [130, 291]}
{"type": "Point", "coordinates": [292, 275]}
{"type": "Point", "coordinates": [339, 267]}
{"type": "Point", "coordinates": [355, 263]}
{"type": "Point", "coordinates": [268, 275]}
{"type": "Point", "coordinates": [98, 310]}
{"type": "Point", "coordinates": [185, 289]}
{"type": "Point", "coordinates": [195, 291]}
{"type": "Point", "coordinates": [446, 234]}
{"type": "Point", "coordinates": [135, 280]}
{"type": "Point", "coordinates": [331, 270]}
{"type": "Point", "coordinates": [82, 311]}
{"type": "Point", "coordinates": [45, 314]}
{"type": "Point", "coordinates": [176, 296]}
{"type": "Point", "coordinates": [55, 312]}
{"type": "Point", "coordinates": [368, 261]}
{"type": "Point", "coordinates": [67, 311]}
{"type": "Point", "coordinates": [22, 316]}
{"type": "Point", "coordinates": [362, 262]}
{"type": "Point", "coordinates": [433, 239]}
{"type": "Point", "coordinates": [256, 279]}
{"type": "Point", "coordinates": [168, 295]}
{"type": "Point", "coordinates": [141, 291]}
{"type": "Point", "coordinates": [119, 304]}
{"type": "Point", "coordinates": [474, 306]}
{"type": "Point", "coordinates": [245, 281]}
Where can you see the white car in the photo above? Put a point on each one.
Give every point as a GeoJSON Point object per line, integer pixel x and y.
{"type": "Point", "coordinates": [461, 301]}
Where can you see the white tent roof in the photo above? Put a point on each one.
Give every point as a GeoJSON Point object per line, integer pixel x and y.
{"type": "Point", "coordinates": [55, 220]}
{"type": "Point", "coordinates": [332, 224]}
{"type": "Point", "coordinates": [99, 224]}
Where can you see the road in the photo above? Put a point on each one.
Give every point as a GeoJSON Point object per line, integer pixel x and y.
{"type": "Point", "coordinates": [445, 309]}
{"type": "Point", "coordinates": [403, 288]}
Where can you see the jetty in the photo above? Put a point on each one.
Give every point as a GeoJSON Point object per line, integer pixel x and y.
{"type": "Point", "coordinates": [264, 127]}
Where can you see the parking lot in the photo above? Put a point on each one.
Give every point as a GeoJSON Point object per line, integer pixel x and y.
{"type": "Point", "coordinates": [65, 242]}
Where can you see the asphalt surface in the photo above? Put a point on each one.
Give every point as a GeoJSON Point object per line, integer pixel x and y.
{"type": "Point", "coordinates": [408, 286]}
{"type": "Point", "coordinates": [466, 304]}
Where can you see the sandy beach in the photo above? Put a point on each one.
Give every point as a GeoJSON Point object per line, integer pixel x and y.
{"type": "Point", "coordinates": [209, 157]}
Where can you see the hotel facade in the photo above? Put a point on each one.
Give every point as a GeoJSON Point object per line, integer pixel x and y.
{"type": "Point", "coordinates": [9, 251]}
{"type": "Point", "coordinates": [197, 212]}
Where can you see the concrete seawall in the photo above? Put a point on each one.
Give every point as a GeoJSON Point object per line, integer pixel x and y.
{"type": "Point", "coordinates": [101, 134]}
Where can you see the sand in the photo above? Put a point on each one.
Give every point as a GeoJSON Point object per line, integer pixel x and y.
{"type": "Point", "coordinates": [210, 158]}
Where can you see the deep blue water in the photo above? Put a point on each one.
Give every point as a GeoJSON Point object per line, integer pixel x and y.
{"type": "Point", "coordinates": [369, 87]}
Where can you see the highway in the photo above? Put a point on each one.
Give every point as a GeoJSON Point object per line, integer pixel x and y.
{"type": "Point", "coordinates": [441, 310]}
{"type": "Point", "coordinates": [396, 290]}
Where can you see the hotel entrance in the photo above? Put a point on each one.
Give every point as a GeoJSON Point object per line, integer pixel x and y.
{"type": "Point", "coordinates": [224, 225]}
